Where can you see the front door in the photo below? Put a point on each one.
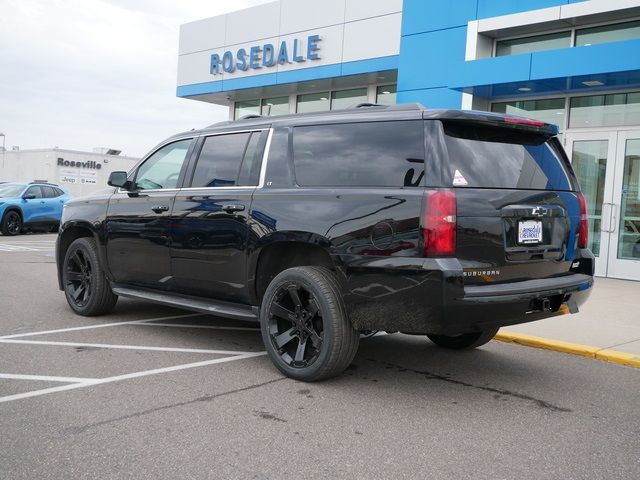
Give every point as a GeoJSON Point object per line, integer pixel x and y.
{"type": "Point", "coordinates": [138, 221]}
{"type": "Point", "coordinates": [607, 165]}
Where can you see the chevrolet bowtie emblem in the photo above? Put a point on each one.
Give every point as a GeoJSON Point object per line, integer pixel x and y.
{"type": "Point", "coordinates": [539, 211]}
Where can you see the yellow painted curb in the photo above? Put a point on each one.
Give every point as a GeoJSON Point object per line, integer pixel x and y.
{"type": "Point", "coordinates": [604, 354]}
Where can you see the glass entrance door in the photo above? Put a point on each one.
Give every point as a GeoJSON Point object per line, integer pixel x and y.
{"type": "Point", "coordinates": [607, 165]}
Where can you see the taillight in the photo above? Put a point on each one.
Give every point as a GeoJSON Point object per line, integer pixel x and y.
{"type": "Point", "coordinates": [439, 223]}
{"type": "Point", "coordinates": [524, 121]}
{"type": "Point", "coordinates": [583, 229]}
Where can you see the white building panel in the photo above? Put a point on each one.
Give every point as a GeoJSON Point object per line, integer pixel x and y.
{"type": "Point", "coordinates": [251, 24]}
{"type": "Point", "coordinates": [359, 9]}
{"type": "Point", "coordinates": [373, 37]}
{"type": "Point", "coordinates": [202, 34]}
{"type": "Point", "coordinates": [330, 47]}
{"type": "Point", "coordinates": [194, 68]}
{"type": "Point", "coordinates": [302, 15]}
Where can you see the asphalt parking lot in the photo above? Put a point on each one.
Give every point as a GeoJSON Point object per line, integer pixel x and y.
{"type": "Point", "coordinates": [154, 392]}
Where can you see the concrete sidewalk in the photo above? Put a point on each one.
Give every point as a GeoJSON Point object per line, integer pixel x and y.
{"type": "Point", "coordinates": [610, 319]}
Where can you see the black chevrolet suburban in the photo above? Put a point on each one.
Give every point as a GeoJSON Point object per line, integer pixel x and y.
{"type": "Point", "coordinates": [321, 226]}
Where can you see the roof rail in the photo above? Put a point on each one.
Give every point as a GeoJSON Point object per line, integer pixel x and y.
{"type": "Point", "coordinates": [251, 115]}
{"type": "Point", "coordinates": [367, 104]}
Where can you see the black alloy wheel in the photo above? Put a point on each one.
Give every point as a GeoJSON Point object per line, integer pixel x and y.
{"type": "Point", "coordinates": [78, 270]}
{"type": "Point", "coordinates": [304, 324]}
{"type": "Point", "coordinates": [295, 325]}
{"type": "Point", "coordinates": [86, 288]}
{"type": "Point", "coordinates": [12, 223]}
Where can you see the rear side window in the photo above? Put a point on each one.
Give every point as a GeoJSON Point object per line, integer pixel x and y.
{"type": "Point", "coordinates": [34, 191]}
{"type": "Point", "coordinates": [49, 192]}
{"type": "Point", "coordinates": [374, 154]}
{"type": "Point", "coordinates": [493, 157]}
{"type": "Point", "coordinates": [229, 160]}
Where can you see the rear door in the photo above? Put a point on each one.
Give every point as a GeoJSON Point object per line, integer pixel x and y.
{"type": "Point", "coordinates": [53, 204]}
{"type": "Point", "coordinates": [209, 222]}
{"type": "Point", "coordinates": [517, 199]}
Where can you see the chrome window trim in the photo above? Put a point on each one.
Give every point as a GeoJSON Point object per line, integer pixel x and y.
{"type": "Point", "coordinates": [263, 167]}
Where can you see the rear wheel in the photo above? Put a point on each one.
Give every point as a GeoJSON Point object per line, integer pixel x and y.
{"type": "Point", "coordinates": [305, 326]}
{"type": "Point", "coordinates": [464, 340]}
{"type": "Point", "coordinates": [87, 290]}
{"type": "Point", "coordinates": [11, 223]}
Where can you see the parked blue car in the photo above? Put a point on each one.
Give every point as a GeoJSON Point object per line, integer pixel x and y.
{"type": "Point", "coordinates": [30, 206]}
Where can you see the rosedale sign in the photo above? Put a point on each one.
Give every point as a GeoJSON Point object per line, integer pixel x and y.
{"type": "Point", "coordinates": [267, 55]}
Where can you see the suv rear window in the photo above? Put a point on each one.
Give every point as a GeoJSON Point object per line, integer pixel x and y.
{"type": "Point", "coordinates": [373, 154]}
{"type": "Point", "coordinates": [494, 157]}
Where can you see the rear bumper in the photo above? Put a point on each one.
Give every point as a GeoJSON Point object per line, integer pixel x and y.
{"type": "Point", "coordinates": [430, 296]}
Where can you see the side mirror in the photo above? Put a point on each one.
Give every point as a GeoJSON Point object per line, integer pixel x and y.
{"type": "Point", "coordinates": [31, 196]}
{"type": "Point", "coordinates": [119, 179]}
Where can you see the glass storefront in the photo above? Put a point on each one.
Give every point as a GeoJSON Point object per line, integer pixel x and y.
{"type": "Point", "coordinates": [608, 33]}
{"type": "Point", "coordinates": [275, 106]}
{"type": "Point", "coordinates": [251, 107]}
{"type": "Point", "coordinates": [551, 110]}
{"type": "Point", "coordinates": [629, 238]}
{"type": "Point", "coordinates": [537, 43]}
{"type": "Point", "coordinates": [348, 98]}
{"type": "Point", "coordinates": [386, 95]}
{"type": "Point", "coordinates": [609, 110]}
{"type": "Point", "coordinates": [589, 160]}
{"type": "Point", "coordinates": [313, 102]}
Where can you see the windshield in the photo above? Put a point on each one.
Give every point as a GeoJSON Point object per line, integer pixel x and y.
{"type": "Point", "coordinates": [10, 190]}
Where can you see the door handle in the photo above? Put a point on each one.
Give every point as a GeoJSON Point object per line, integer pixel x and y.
{"type": "Point", "coordinates": [160, 208]}
{"type": "Point", "coordinates": [233, 208]}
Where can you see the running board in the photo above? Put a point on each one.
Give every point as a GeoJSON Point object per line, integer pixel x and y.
{"type": "Point", "coordinates": [212, 307]}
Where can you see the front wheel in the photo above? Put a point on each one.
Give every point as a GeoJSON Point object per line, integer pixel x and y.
{"type": "Point", "coordinates": [463, 341]}
{"type": "Point", "coordinates": [87, 290]}
{"type": "Point", "coordinates": [11, 223]}
{"type": "Point", "coordinates": [305, 326]}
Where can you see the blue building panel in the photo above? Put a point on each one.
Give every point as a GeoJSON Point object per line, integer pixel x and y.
{"type": "Point", "coordinates": [420, 16]}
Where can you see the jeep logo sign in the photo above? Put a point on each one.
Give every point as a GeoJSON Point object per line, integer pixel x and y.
{"type": "Point", "coordinates": [90, 164]}
{"type": "Point", "coordinates": [266, 55]}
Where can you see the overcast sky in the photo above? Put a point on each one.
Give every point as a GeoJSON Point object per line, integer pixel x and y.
{"type": "Point", "coordinates": [80, 74]}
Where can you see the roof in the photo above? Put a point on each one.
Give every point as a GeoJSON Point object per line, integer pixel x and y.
{"type": "Point", "coordinates": [371, 112]}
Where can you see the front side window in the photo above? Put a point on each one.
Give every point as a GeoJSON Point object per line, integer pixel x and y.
{"type": "Point", "coordinates": [374, 154]}
{"type": "Point", "coordinates": [34, 191]}
{"type": "Point", "coordinates": [229, 160]}
{"type": "Point", "coordinates": [162, 169]}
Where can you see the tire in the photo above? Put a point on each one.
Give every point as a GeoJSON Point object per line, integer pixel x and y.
{"type": "Point", "coordinates": [11, 223]}
{"type": "Point", "coordinates": [86, 288]}
{"type": "Point", "coordinates": [304, 324]}
{"type": "Point", "coordinates": [464, 341]}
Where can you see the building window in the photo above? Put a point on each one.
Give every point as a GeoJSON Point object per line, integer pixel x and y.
{"type": "Point", "coordinates": [536, 43]}
{"type": "Point", "coordinates": [550, 110]}
{"type": "Point", "coordinates": [608, 33]}
{"type": "Point", "coordinates": [386, 95]}
{"type": "Point", "coordinates": [313, 102]}
{"type": "Point", "coordinates": [273, 107]}
{"type": "Point", "coordinates": [348, 98]}
{"type": "Point", "coordinates": [249, 107]}
{"type": "Point", "coordinates": [610, 110]}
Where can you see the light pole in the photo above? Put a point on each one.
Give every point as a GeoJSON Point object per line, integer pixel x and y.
{"type": "Point", "coordinates": [3, 149]}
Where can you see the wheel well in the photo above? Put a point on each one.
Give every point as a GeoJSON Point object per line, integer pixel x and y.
{"type": "Point", "coordinates": [280, 256]}
{"type": "Point", "coordinates": [66, 238]}
{"type": "Point", "coordinates": [18, 210]}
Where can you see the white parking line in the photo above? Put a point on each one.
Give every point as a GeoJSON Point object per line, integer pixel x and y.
{"type": "Point", "coordinates": [47, 378]}
{"type": "Point", "coordinates": [5, 247]}
{"type": "Point", "coordinates": [127, 376]}
{"type": "Point", "coordinates": [123, 347]}
{"type": "Point", "coordinates": [98, 325]}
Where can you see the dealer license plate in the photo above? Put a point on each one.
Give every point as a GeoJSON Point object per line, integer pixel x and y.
{"type": "Point", "coordinates": [530, 231]}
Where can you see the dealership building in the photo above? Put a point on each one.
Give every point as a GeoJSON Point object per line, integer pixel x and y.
{"type": "Point", "coordinates": [569, 62]}
{"type": "Point", "coordinates": [81, 173]}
